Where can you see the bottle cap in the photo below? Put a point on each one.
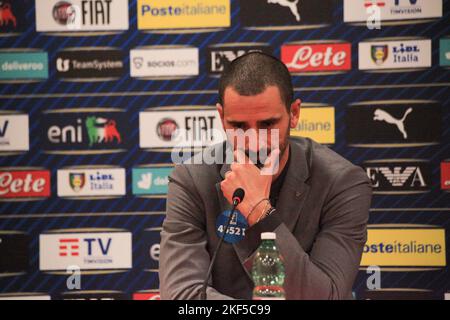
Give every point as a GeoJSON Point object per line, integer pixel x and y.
{"type": "Point", "coordinates": [268, 236]}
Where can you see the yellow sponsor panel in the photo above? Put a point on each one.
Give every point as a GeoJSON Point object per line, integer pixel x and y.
{"type": "Point", "coordinates": [182, 14]}
{"type": "Point", "coordinates": [317, 124]}
{"type": "Point", "coordinates": [405, 248]}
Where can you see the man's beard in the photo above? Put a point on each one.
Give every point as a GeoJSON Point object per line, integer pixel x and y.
{"type": "Point", "coordinates": [260, 157]}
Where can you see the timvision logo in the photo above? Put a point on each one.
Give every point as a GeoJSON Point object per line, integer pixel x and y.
{"type": "Point", "coordinates": [84, 131]}
{"type": "Point", "coordinates": [392, 12]}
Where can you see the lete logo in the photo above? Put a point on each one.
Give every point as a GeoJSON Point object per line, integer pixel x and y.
{"type": "Point", "coordinates": [20, 184]}
{"type": "Point", "coordinates": [316, 57]}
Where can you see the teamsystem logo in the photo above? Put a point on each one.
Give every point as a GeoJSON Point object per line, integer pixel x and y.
{"type": "Point", "coordinates": [181, 14]}
{"type": "Point", "coordinates": [90, 63]}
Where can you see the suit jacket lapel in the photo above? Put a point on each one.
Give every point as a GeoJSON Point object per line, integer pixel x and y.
{"type": "Point", "coordinates": [294, 190]}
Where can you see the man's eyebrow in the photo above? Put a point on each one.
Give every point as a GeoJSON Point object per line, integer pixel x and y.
{"type": "Point", "coordinates": [271, 119]}
{"type": "Point", "coordinates": [274, 118]}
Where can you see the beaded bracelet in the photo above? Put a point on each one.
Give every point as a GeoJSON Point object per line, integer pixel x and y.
{"type": "Point", "coordinates": [266, 213]}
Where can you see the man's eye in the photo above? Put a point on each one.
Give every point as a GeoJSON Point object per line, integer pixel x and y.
{"type": "Point", "coordinates": [267, 123]}
{"type": "Point", "coordinates": [238, 125]}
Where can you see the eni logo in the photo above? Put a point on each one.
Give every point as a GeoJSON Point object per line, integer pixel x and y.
{"type": "Point", "coordinates": [102, 130]}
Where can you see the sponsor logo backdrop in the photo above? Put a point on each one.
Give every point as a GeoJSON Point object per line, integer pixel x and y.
{"type": "Point", "coordinates": [93, 93]}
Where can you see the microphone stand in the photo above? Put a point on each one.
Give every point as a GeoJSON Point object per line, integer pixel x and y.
{"type": "Point", "coordinates": [236, 201]}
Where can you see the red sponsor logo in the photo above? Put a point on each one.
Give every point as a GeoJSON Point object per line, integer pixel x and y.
{"type": "Point", "coordinates": [69, 247]}
{"type": "Point", "coordinates": [6, 15]}
{"type": "Point", "coordinates": [147, 296]}
{"type": "Point", "coordinates": [20, 184]}
{"type": "Point", "coordinates": [445, 175]}
{"type": "Point", "coordinates": [317, 57]}
{"type": "Point", "coordinates": [374, 3]}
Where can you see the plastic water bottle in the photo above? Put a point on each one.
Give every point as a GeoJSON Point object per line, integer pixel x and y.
{"type": "Point", "coordinates": [268, 270]}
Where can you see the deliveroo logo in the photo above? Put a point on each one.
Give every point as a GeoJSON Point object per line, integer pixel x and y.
{"type": "Point", "coordinates": [151, 181]}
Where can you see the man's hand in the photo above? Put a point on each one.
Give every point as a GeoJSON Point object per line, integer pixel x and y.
{"type": "Point", "coordinates": [244, 174]}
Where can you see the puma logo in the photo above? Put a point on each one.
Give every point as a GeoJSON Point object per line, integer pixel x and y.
{"type": "Point", "coordinates": [291, 5]}
{"type": "Point", "coordinates": [381, 115]}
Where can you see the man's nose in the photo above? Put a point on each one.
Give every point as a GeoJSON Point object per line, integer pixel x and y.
{"type": "Point", "coordinates": [260, 141]}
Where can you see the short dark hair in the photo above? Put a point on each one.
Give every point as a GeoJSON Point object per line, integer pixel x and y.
{"type": "Point", "coordinates": [252, 73]}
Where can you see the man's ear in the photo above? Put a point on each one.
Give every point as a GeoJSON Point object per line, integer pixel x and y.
{"type": "Point", "coordinates": [220, 110]}
{"type": "Point", "coordinates": [295, 113]}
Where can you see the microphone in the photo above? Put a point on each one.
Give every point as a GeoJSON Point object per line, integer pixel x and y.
{"type": "Point", "coordinates": [238, 196]}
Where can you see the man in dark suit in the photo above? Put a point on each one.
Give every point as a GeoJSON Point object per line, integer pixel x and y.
{"type": "Point", "coordinates": [315, 201]}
